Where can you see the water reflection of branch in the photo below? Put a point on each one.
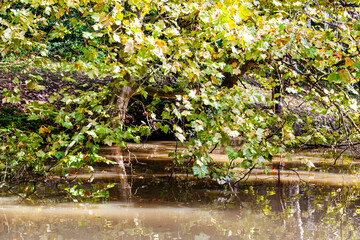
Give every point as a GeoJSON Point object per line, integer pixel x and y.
{"type": "Point", "coordinates": [136, 190]}
{"type": "Point", "coordinates": [135, 157]}
{"type": "Point", "coordinates": [72, 180]}
{"type": "Point", "coordinates": [297, 174]}
{"type": "Point", "coordinates": [281, 166]}
{"type": "Point", "coordinates": [246, 175]}
{"type": "Point", "coordinates": [6, 220]}
{"type": "Point", "coordinates": [18, 183]}
{"type": "Point", "coordinates": [173, 164]}
{"type": "Point", "coordinates": [188, 165]}
{"type": "Point", "coordinates": [28, 194]}
{"type": "Point", "coordinates": [337, 158]}
{"type": "Point", "coordinates": [236, 195]}
{"type": "Point", "coordinates": [19, 195]}
{"type": "Point", "coordinates": [5, 172]}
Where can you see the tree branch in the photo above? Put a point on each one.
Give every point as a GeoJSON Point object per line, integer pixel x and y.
{"type": "Point", "coordinates": [161, 93]}
{"type": "Point", "coordinates": [231, 79]}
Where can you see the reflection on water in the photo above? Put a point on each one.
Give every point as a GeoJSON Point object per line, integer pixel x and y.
{"type": "Point", "coordinates": [153, 206]}
{"type": "Point", "coordinates": [187, 210]}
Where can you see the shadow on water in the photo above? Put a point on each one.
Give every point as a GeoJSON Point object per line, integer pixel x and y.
{"type": "Point", "coordinates": [143, 203]}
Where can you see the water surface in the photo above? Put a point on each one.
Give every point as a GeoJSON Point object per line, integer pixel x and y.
{"type": "Point", "coordinates": [317, 203]}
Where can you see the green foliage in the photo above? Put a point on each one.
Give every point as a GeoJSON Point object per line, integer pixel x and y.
{"type": "Point", "coordinates": [97, 193]}
{"type": "Point", "coordinates": [196, 54]}
{"type": "Point", "coordinates": [12, 117]}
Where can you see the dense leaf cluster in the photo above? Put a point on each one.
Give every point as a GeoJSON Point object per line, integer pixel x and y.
{"type": "Point", "coordinates": [196, 53]}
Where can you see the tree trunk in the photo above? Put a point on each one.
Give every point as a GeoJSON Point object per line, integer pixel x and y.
{"type": "Point", "coordinates": [277, 107]}
{"type": "Point", "coordinates": [120, 100]}
{"type": "Point", "coordinates": [277, 90]}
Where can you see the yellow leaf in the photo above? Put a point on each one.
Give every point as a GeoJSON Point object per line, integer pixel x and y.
{"type": "Point", "coordinates": [244, 12]}
{"type": "Point", "coordinates": [44, 129]}
{"type": "Point", "coordinates": [232, 37]}
{"type": "Point", "coordinates": [60, 13]}
{"type": "Point", "coordinates": [118, 7]}
{"type": "Point", "coordinates": [349, 62]}
{"type": "Point", "coordinates": [119, 16]}
{"type": "Point", "coordinates": [309, 119]}
{"type": "Point", "coordinates": [77, 66]}
{"type": "Point", "coordinates": [231, 25]}
{"type": "Point", "coordinates": [234, 64]}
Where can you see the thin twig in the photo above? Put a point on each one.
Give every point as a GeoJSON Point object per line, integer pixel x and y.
{"type": "Point", "coordinates": [173, 164]}
{"type": "Point", "coordinates": [246, 174]}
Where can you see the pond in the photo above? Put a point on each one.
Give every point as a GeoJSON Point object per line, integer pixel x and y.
{"type": "Point", "coordinates": [322, 202]}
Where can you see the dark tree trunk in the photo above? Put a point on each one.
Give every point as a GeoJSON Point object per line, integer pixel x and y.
{"type": "Point", "coordinates": [277, 107]}
{"type": "Point", "coordinates": [277, 91]}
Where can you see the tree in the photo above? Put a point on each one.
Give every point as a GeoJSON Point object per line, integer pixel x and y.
{"type": "Point", "coordinates": [197, 54]}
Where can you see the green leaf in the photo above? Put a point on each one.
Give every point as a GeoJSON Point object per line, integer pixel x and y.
{"type": "Point", "coordinates": [108, 141]}
{"type": "Point", "coordinates": [60, 155]}
{"type": "Point", "coordinates": [53, 98]}
{"type": "Point", "coordinates": [16, 81]}
{"type": "Point", "coordinates": [229, 69]}
{"type": "Point", "coordinates": [246, 163]}
{"type": "Point", "coordinates": [356, 65]}
{"type": "Point", "coordinates": [78, 137]}
{"type": "Point", "coordinates": [92, 134]}
{"type": "Point", "coordinates": [201, 172]}
{"type": "Point", "coordinates": [334, 77]}
{"type": "Point", "coordinates": [39, 87]}
{"type": "Point", "coordinates": [67, 124]}
{"type": "Point", "coordinates": [165, 129]}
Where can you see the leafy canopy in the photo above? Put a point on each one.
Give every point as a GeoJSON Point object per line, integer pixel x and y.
{"type": "Point", "coordinates": [198, 51]}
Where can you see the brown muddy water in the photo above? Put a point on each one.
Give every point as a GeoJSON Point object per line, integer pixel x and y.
{"type": "Point", "coordinates": [322, 202]}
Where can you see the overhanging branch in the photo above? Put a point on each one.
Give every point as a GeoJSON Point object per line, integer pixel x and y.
{"type": "Point", "coordinates": [161, 93]}
{"type": "Point", "coordinates": [231, 79]}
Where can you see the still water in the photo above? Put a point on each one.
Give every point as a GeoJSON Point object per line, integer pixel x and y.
{"type": "Point", "coordinates": [317, 203]}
